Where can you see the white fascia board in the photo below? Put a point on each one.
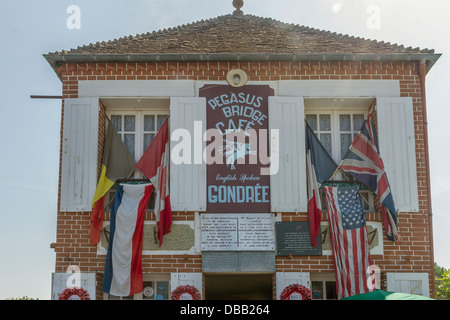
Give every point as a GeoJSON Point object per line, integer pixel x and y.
{"type": "Point", "coordinates": [340, 88]}
{"type": "Point", "coordinates": [136, 88]}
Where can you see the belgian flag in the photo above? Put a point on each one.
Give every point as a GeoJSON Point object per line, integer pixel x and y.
{"type": "Point", "coordinates": [117, 163]}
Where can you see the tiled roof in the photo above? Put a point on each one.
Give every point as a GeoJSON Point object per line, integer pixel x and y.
{"type": "Point", "coordinates": [242, 34]}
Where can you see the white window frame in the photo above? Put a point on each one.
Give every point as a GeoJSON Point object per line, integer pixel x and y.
{"type": "Point", "coordinates": [324, 278]}
{"type": "Point", "coordinates": [335, 114]}
{"type": "Point", "coordinates": [335, 131]}
{"type": "Point", "coordinates": [139, 126]}
{"type": "Point", "coordinates": [146, 278]}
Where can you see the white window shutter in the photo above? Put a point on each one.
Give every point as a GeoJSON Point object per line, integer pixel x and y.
{"type": "Point", "coordinates": [60, 283]}
{"type": "Point", "coordinates": [79, 154]}
{"type": "Point", "coordinates": [194, 279]}
{"type": "Point", "coordinates": [288, 185]}
{"type": "Point", "coordinates": [409, 283]}
{"type": "Point", "coordinates": [396, 141]}
{"type": "Point", "coordinates": [285, 279]}
{"type": "Point", "coordinates": [188, 180]}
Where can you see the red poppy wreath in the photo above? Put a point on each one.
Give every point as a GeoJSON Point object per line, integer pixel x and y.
{"type": "Point", "coordinates": [289, 290]}
{"type": "Point", "coordinates": [191, 290]}
{"type": "Point", "coordinates": [66, 294]}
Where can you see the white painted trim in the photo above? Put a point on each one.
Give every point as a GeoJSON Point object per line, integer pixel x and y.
{"type": "Point", "coordinates": [272, 84]}
{"type": "Point", "coordinates": [190, 88]}
{"type": "Point", "coordinates": [340, 88]}
{"type": "Point", "coordinates": [400, 282]}
{"type": "Point", "coordinates": [61, 280]}
{"type": "Point", "coordinates": [284, 279]}
{"type": "Point", "coordinates": [136, 88]}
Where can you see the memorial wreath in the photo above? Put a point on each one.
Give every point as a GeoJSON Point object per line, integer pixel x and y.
{"type": "Point", "coordinates": [193, 291]}
{"type": "Point", "coordinates": [302, 290]}
{"type": "Point", "coordinates": [66, 294]}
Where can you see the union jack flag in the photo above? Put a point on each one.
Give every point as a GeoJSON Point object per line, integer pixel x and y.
{"type": "Point", "coordinates": [364, 163]}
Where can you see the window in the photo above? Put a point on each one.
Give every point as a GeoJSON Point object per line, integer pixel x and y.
{"type": "Point", "coordinates": [156, 287]}
{"type": "Point", "coordinates": [323, 286]}
{"type": "Point", "coordinates": [336, 129]}
{"type": "Point", "coordinates": [156, 290]}
{"type": "Point", "coordinates": [137, 128]}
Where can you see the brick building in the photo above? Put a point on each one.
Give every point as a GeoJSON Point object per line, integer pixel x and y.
{"type": "Point", "coordinates": [332, 81]}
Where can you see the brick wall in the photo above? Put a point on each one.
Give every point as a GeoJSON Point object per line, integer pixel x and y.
{"type": "Point", "coordinates": [412, 254]}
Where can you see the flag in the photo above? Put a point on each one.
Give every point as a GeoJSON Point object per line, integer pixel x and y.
{"type": "Point", "coordinates": [349, 241]}
{"type": "Point", "coordinates": [117, 163]}
{"type": "Point", "coordinates": [123, 267]}
{"type": "Point", "coordinates": [154, 164]}
{"type": "Point", "coordinates": [320, 166]}
{"type": "Point", "coordinates": [364, 163]}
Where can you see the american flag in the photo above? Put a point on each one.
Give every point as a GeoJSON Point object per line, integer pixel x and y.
{"type": "Point", "coordinates": [364, 163]}
{"type": "Point", "coordinates": [349, 241]}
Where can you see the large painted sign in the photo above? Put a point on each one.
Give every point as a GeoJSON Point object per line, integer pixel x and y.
{"type": "Point", "coordinates": [239, 118]}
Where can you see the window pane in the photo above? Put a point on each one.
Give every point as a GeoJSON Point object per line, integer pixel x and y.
{"type": "Point", "coordinates": [330, 288]}
{"type": "Point", "coordinates": [149, 123]}
{"type": "Point", "coordinates": [325, 122]}
{"type": "Point", "coordinates": [129, 123]}
{"type": "Point", "coordinates": [162, 290]}
{"type": "Point", "coordinates": [346, 141]}
{"type": "Point", "coordinates": [148, 137]}
{"type": "Point", "coordinates": [311, 119]}
{"type": "Point", "coordinates": [316, 290]}
{"type": "Point", "coordinates": [117, 122]}
{"type": "Point", "coordinates": [129, 142]}
{"type": "Point", "coordinates": [344, 123]}
{"type": "Point", "coordinates": [325, 139]}
{"type": "Point", "coordinates": [358, 120]}
{"type": "Point", "coordinates": [160, 120]}
{"type": "Point", "coordinates": [149, 291]}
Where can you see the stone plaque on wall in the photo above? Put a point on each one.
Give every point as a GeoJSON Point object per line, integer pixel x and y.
{"type": "Point", "coordinates": [294, 238]}
{"type": "Point", "coordinates": [232, 232]}
{"type": "Point", "coordinates": [242, 261]}
{"type": "Point", "coordinates": [180, 237]}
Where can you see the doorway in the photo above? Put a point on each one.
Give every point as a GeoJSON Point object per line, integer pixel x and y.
{"type": "Point", "coordinates": [225, 286]}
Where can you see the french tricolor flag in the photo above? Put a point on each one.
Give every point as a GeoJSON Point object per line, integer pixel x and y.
{"type": "Point", "coordinates": [320, 166]}
{"type": "Point", "coordinates": [123, 268]}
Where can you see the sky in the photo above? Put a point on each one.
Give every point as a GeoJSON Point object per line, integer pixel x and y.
{"type": "Point", "coordinates": [31, 127]}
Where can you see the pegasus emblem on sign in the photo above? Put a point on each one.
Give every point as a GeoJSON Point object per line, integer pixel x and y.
{"type": "Point", "coordinates": [236, 150]}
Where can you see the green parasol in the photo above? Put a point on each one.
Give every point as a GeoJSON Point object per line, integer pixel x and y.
{"type": "Point", "coordinates": [386, 295]}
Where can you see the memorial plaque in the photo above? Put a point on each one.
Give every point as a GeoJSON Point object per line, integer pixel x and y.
{"type": "Point", "coordinates": [231, 232]}
{"type": "Point", "coordinates": [294, 238]}
{"type": "Point", "coordinates": [242, 261]}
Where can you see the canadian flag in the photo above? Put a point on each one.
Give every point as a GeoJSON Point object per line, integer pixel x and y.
{"type": "Point", "coordinates": [154, 164]}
